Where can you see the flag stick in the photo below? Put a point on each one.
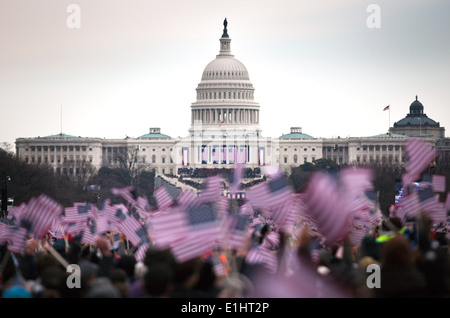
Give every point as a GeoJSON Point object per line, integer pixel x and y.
{"type": "Point", "coordinates": [58, 257]}
{"type": "Point", "coordinates": [4, 261]}
{"type": "Point", "coordinates": [389, 123]}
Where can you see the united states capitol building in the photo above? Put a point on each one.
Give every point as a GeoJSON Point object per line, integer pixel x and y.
{"type": "Point", "coordinates": [224, 130]}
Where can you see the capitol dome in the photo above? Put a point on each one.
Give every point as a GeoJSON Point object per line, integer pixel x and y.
{"type": "Point", "coordinates": [225, 94]}
{"type": "Point", "coordinates": [225, 68]}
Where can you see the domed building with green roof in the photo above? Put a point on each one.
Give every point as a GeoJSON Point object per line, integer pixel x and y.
{"type": "Point", "coordinates": [225, 130]}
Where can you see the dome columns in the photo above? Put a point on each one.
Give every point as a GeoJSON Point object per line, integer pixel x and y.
{"type": "Point", "coordinates": [210, 116]}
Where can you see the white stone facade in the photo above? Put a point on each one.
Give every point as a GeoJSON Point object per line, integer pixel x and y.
{"type": "Point", "coordinates": [224, 130]}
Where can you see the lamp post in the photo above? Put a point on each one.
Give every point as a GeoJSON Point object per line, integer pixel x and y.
{"type": "Point", "coordinates": [5, 196]}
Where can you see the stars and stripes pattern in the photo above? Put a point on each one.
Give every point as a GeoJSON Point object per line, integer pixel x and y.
{"type": "Point", "coordinates": [263, 256]}
{"type": "Point", "coordinates": [338, 206]}
{"type": "Point", "coordinates": [79, 212]}
{"type": "Point", "coordinates": [41, 212]}
{"type": "Point", "coordinates": [419, 156]}
{"type": "Point", "coordinates": [163, 198]}
{"type": "Point", "coordinates": [127, 193]}
{"type": "Point", "coordinates": [438, 183]}
{"type": "Point", "coordinates": [238, 172]}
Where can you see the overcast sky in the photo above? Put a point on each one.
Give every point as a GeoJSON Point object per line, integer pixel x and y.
{"type": "Point", "coordinates": [135, 64]}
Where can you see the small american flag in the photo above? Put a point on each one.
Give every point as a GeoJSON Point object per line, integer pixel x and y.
{"type": "Point", "coordinates": [438, 183]}
{"type": "Point", "coordinates": [411, 205]}
{"type": "Point", "coordinates": [238, 172]}
{"type": "Point", "coordinates": [74, 228]}
{"type": "Point", "coordinates": [141, 252]}
{"type": "Point", "coordinates": [168, 226]}
{"type": "Point", "coordinates": [199, 231]}
{"type": "Point", "coordinates": [270, 194]}
{"type": "Point", "coordinates": [186, 198]}
{"type": "Point", "coordinates": [41, 212]}
{"type": "Point", "coordinates": [327, 207]}
{"type": "Point", "coordinates": [127, 193]}
{"type": "Point", "coordinates": [264, 257]}
{"type": "Point", "coordinates": [239, 233]}
{"type": "Point", "coordinates": [439, 213]}
{"type": "Point", "coordinates": [212, 188]}
{"type": "Point", "coordinates": [427, 198]}
{"type": "Point", "coordinates": [78, 213]}
{"type": "Point", "coordinates": [17, 212]}
{"type": "Point", "coordinates": [356, 181]}
{"type": "Point", "coordinates": [17, 237]}
{"type": "Point", "coordinates": [192, 246]}
{"type": "Point", "coordinates": [134, 231]}
{"type": "Point", "coordinates": [103, 224]}
{"type": "Point", "coordinates": [90, 232]}
{"type": "Point", "coordinates": [163, 198]}
{"type": "Point", "coordinates": [419, 155]}
{"type": "Point", "coordinates": [143, 204]}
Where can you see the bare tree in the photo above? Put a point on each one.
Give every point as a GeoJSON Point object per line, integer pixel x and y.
{"type": "Point", "coordinates": [131, 164]}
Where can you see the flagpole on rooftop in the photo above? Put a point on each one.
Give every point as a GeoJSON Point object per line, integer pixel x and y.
{"type": "Point", "coordinates": [388, 108]}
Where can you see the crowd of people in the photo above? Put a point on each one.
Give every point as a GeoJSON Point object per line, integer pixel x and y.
{"type": "Point", "coordinates": [413, 261]}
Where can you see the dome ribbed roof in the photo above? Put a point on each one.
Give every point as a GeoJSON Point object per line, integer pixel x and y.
{"type": "Point", "coordinates": [225, 67]}
{"type": "Point", "coordinates": [411, 120]}
{"type": "Point", "coordinates": [416, 117]}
